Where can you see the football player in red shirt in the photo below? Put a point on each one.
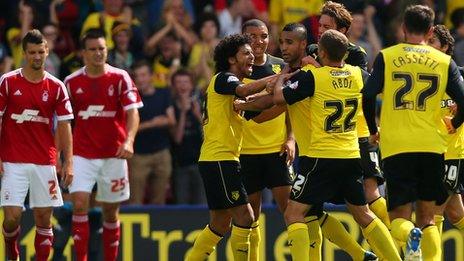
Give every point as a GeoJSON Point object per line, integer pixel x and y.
{"type": "Point", "coordinates": [106, 102]}
{"type": "Point", "coordinates": [30, 98]}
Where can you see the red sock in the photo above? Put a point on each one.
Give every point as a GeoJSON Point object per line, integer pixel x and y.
{"type": "Point", "coordinates": [11, 243]}
{"type": "Point", "coordinates": [43, 243]}
{"type": "Point", "coordinates": [111, 234]}
{"type": "Point", "coordinates": [80, 231]}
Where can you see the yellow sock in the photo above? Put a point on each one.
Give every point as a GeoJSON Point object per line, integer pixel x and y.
{"type": "Point", "coordinates": [204, 245]}
{"type": "Point", "coordinates": [379, 207]}
{"type": "Point", "coordinates": [240, 243]}
{"type": "Point", "coordinates": [335, 232]}
{"type": "Point", "coordinates": [439, 223]}
{"type": "Point", "coordinates": [376, 233]}
{"type": "Point", "coordinates": [315, 237]}
{"type": "Point", "coordinates": [431, 244]}
{"type": "Point", "coordinates": [255, 239]}
{"type": "Point", "coordinates": [298, 241]}
{"type": "Point", "coordinates": [400, 229]}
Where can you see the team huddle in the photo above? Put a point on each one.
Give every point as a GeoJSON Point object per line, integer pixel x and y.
{"type": "Point", "coordinates": [321, 99]}
{"type": "Point", "coordinates": [316, 106]}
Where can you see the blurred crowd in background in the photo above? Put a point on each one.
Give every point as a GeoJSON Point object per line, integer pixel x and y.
{"type": "Point", "coordinates": [167, 46]}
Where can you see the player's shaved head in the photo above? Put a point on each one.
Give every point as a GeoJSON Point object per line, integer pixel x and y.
{"type": "Point", "coordinates": [298, 29]}
{"type": "Point", "coordinates": [334, 44]}
{"type": "Point", "coordinates": [254, 23]}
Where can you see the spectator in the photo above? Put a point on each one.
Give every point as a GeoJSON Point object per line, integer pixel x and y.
{"type": "Point", "coordinates": [120, 56]}
{"type": "Point", "coordinates": [284, 12]}
{"type": "Point", "coordinates": [64, 13]}
{"type": "Point", "coordinates": [53, 62]}
{"type": "Point", "coordinates": [151, 146]}
{"type": "Point", "coordinates": [16, 33]}
{"type": "Point", "coordinates": [174, 20]}
{"type": "Point", "coordinates": [458, 23]}
{"type": "Point", "coordinates": [170, 57]}
{"type": "Point", "coordinates": [6, 62]}
{"type": "Point", "coordinates": [187, 136]}
{"type": "Point", "coordinates": [114, 10]}
{"type": "Point", "coordinates": [201, 58]}
{"type": "Point", "coordinates": [362, 32]}
{"type": "Point", "coordinates": [231, 18]}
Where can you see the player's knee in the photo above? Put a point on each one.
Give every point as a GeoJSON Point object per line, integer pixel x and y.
{"type": "Point", "coordinates": [362, 216]}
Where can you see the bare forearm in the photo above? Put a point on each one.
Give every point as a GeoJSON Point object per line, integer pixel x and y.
{"type": "Point", "coordinates": [253, 87]}
{"type": "Point", "coordinates": [132, 123]}
{"type": "Point", "coordinates": [180, 128]}
{"type": "Point", "coordinates": [64, 140]}
{"type": "Point", "coordinates": [259, 104]}
{"type": "Point", "coordinates": [270, 113]}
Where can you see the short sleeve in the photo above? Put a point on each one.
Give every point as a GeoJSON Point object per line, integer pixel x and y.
{"type": "Point", "coordinates": [63, 108]}
{"type": "Point", "coordinates": [128, 94]}
{"type": "Point", "coordinates": [226, 83]}
{"type": "Point", "coordinates": [299, 87]}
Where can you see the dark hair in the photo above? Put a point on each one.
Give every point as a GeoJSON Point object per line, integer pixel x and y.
{"type": "Point", "coordinates": [254, 23]}
{"type": "Point", "coordinates": [339, 13]}
{"type": "Point", "coordinates": [181, 72]}
{"type": "Point", "coordinates": [444, 36]}
{"type": "Point", "coordinates": [457, 17]}
{"type": "Point", "coordinates": [34, 37]}
{"type": "Point", "coordinates": [140, 63]}
{"type": "Point", "coordinates": [228, 47]}
{"type": "Point", "coordinates": [93, 33]}
{"type": "Point", "coordinates": [298, 28]}
{"type": "Point", "coordinates": [335, 44]}
{"type": "Point", "coordinates": [205, 17]}
{"type": "Point", "coordinates": [418, 19]}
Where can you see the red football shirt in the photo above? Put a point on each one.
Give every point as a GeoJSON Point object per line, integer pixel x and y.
{"type": "Point", "coordinates": [29, 111]}
{"type": "Point", "coordinates": [99, 104]}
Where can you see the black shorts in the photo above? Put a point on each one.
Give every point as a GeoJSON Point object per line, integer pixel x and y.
{"type": "Point", "coordinates": [264, 171]}
{"type": "Point", "coordinates": [322, 180]}
{"type": "Point", "coordinates": [414, 176]}
{"type": "Point", "coordinates": [454, 175]}
{"type": "Point", "coordinates": [223, 184]}
{"type": "Point", "coordinates": [370, 160]}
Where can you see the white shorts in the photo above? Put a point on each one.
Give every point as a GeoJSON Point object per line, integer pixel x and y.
{"type": "Point", "coordinates": [39, 180]}
{"type": "Point", "coordinates": [110, 174]}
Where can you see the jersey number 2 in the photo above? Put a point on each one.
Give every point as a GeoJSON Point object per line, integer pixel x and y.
{"type": "Point", "coordinates": [331, 122]}
{"type": "Point", "coordinates": [401, 103]}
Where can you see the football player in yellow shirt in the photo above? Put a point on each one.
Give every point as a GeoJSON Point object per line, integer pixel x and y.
{"type": "Point", "coordinates": [219, 155]}
{"type": "Point", "coordinates": [413, 78]}
{"type": "Point", "coordinates": [327, 137]}
{"type": "Point", "coordinates": [454, 156]}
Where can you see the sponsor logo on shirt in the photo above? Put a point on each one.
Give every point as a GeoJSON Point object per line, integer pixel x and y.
{"type": "Point", "coordinates": [232, 79]}
{"type": "Point", "coordinates": [96, 111]}
{"type": "Point", "coordinates": [17, 93]}
{"type": "Point", "coordinates": [79, 90]}
{"type": "Point", "coordinates": [29, 115]}
{"type": "Point", "coordinates": [291, 85]}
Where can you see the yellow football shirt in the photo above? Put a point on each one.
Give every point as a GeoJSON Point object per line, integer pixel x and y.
{"type": "Point", "coordinates": [334, 108]}
{"type": "Point", "coordinates": [222, 126]}
{"type": "Point", "coordinates": [266, 137]}
{"type": "Point", "coordinates": [415, 79]}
